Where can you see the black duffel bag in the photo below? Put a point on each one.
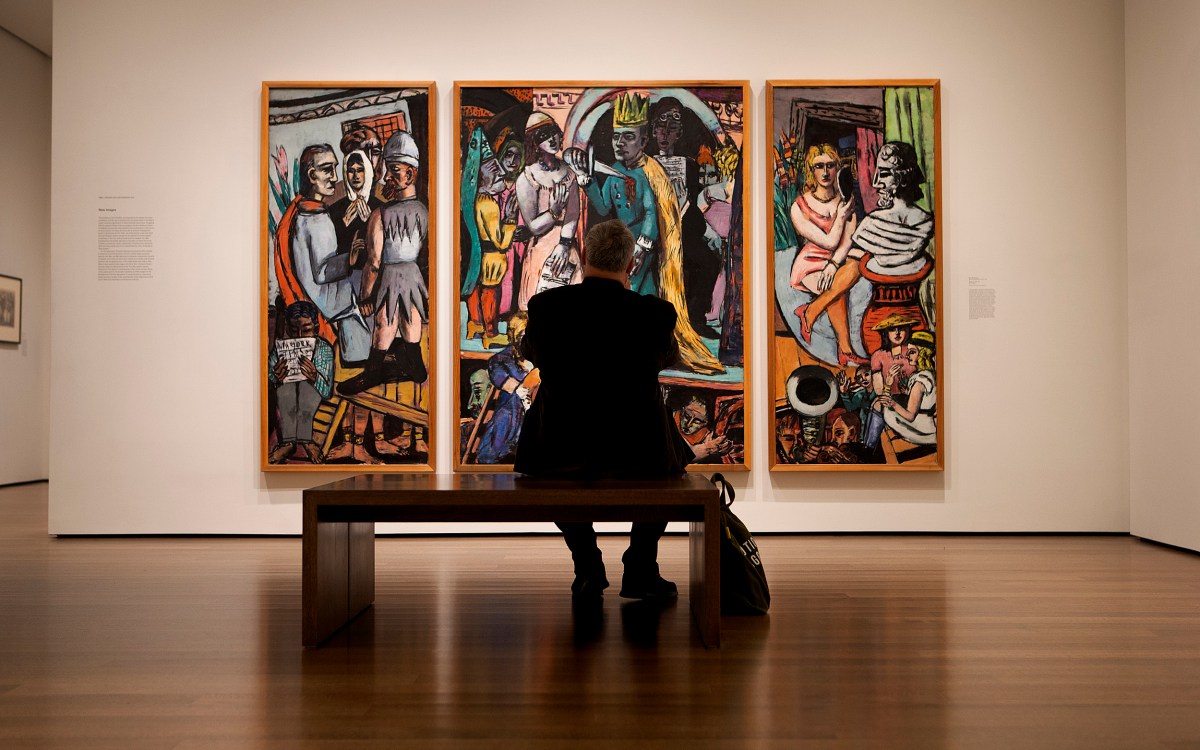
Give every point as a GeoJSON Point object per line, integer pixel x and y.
{"type": "Point", "coordinates": [743, 581]}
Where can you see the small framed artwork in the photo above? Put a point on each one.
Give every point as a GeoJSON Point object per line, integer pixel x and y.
{"type": "Point", "coordinates": [10, 310]}
{"type": "Point", "coordinates": [348, 242]}
{"type": "Point", "coordinates": [535, 165]}
{"type": "Point", "coordinates": [857, 355]}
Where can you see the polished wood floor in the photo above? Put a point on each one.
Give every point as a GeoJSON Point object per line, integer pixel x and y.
{"type": "Point", "coordinates": [872, 642]}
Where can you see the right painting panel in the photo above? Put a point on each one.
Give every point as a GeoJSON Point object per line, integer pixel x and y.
{"type": "Point", "coordinates": [857, 347]}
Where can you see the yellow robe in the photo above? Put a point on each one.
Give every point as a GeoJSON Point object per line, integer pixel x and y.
{"type": "Point", "coordinates": [693, 354]}
{"type": "Point", "coordinates": [487, 218]}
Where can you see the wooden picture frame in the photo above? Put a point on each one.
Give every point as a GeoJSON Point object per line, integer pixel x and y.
{"type": "Point", "coordinates": [711, 114]}
{"type": "Point", "coordinates": [838, 287]}
{"type": "Point", "coordinates": [375, 382]}
{"type": "Point", "coordinates": [10, 309]}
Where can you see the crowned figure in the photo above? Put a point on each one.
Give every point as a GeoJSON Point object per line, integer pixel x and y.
{"type": "Point", "coordinates": [638, 191]}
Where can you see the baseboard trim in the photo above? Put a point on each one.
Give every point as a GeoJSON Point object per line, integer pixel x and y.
{"type": "Point", "coordinates": [518, 534]}
{"type": "Point", "coordinates": [21, 484]}
{"type": "Point", "coordinates": [1157, 543]}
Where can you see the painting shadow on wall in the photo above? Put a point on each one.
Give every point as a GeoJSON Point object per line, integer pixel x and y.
{"type": "Point", "coordinates": [870, 487]}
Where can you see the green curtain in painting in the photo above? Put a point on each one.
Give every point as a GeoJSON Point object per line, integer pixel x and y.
{"type": "Point", "coordinates": [908, 117]}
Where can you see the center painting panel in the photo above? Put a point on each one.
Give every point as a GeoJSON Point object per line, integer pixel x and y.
{"type": "Point", "coordinates": [536, 166]}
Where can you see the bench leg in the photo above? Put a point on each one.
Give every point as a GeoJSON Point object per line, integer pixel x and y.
{"type": "Point", "coordinates": [361, 555]}
{"type": "Point", "coordinates": [338, 575]}
{"type": "Point", "coordinates": [705, 579]}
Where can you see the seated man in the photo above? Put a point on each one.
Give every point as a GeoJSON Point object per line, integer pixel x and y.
{"type": "Point", "coordinates": [600, 345]}
{"type": "Point", "coordinates": [302, 379]}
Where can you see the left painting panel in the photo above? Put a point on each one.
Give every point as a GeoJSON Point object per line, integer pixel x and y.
{"type": "Point", "coordinates": [347, 247]}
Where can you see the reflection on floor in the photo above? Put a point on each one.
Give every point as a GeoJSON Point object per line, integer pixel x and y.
{"type": "Point", "coordinates": [872, 642]}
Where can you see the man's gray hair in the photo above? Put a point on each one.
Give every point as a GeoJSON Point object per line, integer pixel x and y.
{"type": "Point", "coordinates": [609, 246]}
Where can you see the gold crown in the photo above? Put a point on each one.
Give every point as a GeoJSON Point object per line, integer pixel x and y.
{"type": "Point", "coordinates": [631, 110]}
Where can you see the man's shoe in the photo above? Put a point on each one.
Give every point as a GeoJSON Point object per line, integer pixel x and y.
{"type": "Point", "coordinates": [648, 587]}
{"type": "Point", "coordinates": [587, 587]}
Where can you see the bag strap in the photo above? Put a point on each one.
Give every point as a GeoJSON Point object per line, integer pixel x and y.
{"type": "Point", "coordinates": [727, 493]}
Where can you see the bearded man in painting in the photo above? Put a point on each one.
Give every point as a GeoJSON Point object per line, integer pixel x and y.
{"type": "Point", "coordinates": [897, 232]}
{"type": "Point", "coordinates": [393, 288]}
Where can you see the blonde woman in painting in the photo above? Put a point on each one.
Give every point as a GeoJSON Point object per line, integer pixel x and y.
{"type": "Point", "coordinates": [826, 222]}
{"type": "Point", "coordinates": [548, 197]}
{"type": "Point", "coordinates": [916, 419]}
{"type": "Point", "coordinates": [717, 176]}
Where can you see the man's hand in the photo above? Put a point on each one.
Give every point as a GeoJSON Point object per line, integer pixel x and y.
{"type": "Point", "coordinates": [843, 382]}
{"type": "Point", "coordinates": [356, 247]}
{"type": "Point", "coordinates": [576, 159]}
{"type": "Point", "coordinates": [366, 308]}
{"type": "Point", "coordinates": [883, 402]}
{"type": "Point", "coordinates": [713, 445]}
{"type": "Point", "coordinates": [308, 369]}
{"type": "Point", "coordinates": [811, 453]}
{"type": "Point", "coordinates": [281, 370]}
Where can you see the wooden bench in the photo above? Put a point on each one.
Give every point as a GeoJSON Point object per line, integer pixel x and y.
{"type": "Point", "coordinates": [340, 517]}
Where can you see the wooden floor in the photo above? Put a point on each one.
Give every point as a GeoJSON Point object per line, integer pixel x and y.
{"type": "Point", "coordinates": [872, 642]}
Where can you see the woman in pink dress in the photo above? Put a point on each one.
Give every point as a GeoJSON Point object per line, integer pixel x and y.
{"type": "Point", "coordinates": [826, 222]}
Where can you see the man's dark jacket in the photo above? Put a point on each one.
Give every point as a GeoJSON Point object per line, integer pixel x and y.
{"type": "Point", "coordinates": [599, 411]}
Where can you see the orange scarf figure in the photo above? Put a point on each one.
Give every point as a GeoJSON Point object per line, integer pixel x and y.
{"type": "Point", "coordinates": [289, 285]}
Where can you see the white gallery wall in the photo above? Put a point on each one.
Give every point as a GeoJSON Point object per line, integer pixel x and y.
{"type": "Point", "coordinates": [25, 254]}
{"type": "Point", "coordinates": [1163, 109]}
{"type": "Point", "coordinates": [157, 114]}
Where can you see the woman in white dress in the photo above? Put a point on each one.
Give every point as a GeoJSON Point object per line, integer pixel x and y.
{"type": "Point", "coordinates": [916, 420]}
{"type": "Point", "coordinates": [548, 198]}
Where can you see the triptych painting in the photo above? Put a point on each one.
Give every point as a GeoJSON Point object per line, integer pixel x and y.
{"type": "Point", "coordinates": [349, 257]}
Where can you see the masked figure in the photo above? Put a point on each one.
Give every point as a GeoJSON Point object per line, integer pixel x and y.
{"type": "Point", "coordinates": [548, 195]}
